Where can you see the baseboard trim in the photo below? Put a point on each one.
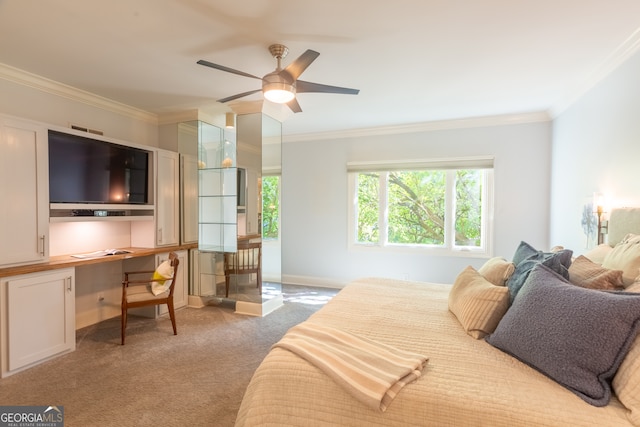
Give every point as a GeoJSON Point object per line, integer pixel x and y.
{"type": "Point", "coordinates": [321, 282]}
{"type": "Point", "coordinates": [260, 310]}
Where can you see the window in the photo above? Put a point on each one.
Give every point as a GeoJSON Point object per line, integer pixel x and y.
{"type": "Point", "coordinates": [271, 207]}
{"type": "Point", "coordinates": [437, 205]}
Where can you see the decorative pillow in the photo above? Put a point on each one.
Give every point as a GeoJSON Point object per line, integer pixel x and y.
{"type": "Point", "coordinates": [634, 287]}
{"type": "Point", "coordinates": [598, 253]}
{"type": "Point", "coordinates": [625, 256]}
{"type": "Point", "coordinates": [626, 382]}
{"type": "Point", "coordinates": [527, 257]}
{"type": "Point", "coordinates": [526, 251]}
{"type": "Point", "coordinates": [523, 251]}
{"type": "Point", "coordinates": [478, 304]}
{"type": "Point", "coordinates": [497, 270]}
{"type": "Point", "coordinates": [160, 282]}
{"type": "Point", "coordinates": [587, 274]}
{"type": "Point", "coordinates": [577, 337]}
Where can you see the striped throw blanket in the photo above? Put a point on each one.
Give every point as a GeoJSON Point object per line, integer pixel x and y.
{"type": "Point", "coordinates": [372, 372]}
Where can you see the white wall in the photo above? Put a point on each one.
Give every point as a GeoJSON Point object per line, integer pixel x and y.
{"type": "Point", "coordinates": [62, 106]}
{"type": "Point", "coordinates": [596, 147]}
{"type": "Point", "coordinates": [315, 205]}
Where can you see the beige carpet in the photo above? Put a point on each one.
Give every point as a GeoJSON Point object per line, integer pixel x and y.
{"type": "Point", "coordinates": [196, 378]}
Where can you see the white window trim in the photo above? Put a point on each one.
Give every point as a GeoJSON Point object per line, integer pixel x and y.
{"type": "Point", "coordinates": [486, 249]}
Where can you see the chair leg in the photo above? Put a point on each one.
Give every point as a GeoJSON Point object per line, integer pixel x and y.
{"type": "Point", "coordinates": [123, 323]}
{"type": "Point", "coordinates": [226, 284]}
{"type": "Point", "coordinates": [172, 315]}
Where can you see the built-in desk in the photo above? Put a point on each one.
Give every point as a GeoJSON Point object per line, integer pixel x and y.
{"type": "Point", "coordinates": [42, 305]}
{"type": "Point", "coordinates": [66, 261]}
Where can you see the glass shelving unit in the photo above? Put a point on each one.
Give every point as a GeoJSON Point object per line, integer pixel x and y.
{"type": "Point", "coordinates": [217, 192]}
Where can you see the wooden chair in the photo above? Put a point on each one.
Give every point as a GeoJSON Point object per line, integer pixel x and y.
{"type": "Point", "coordinates": [137, 293]}
{"type": "Point", "coordinates": [247, 260]}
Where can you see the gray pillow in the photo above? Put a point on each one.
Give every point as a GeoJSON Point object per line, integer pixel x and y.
{"type": "Point", "coordinates": [577, 337]}
{"type": "Point", "coordinates": [526, 257]}
{"type": "Point", "coordinates": [526, 251]}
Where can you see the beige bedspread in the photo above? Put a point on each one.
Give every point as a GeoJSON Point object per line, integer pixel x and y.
{"type": "Point", "coordinates": [467, 382]}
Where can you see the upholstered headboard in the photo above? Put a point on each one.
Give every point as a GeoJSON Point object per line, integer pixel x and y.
{"type": "Point", "coordinates": [621, 222]}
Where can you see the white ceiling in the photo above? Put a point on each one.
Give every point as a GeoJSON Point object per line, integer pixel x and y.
{"type": "Point", "coordinates": [414, 61]}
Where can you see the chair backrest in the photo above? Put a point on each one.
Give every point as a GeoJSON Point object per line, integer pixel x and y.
{"type": "Point", "coordinates": [174, 261]}
{"type": "Point", "coordinates": [246, 260]}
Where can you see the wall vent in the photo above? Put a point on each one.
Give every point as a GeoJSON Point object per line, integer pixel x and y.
{"type": "Point", "coordinates": [84, 129]}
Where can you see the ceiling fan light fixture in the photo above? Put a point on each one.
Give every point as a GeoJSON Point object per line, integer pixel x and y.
{"type": "Point", "coordinates": [278, 92]}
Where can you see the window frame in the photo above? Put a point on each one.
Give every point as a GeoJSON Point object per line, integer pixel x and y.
{"type": "Point", "coordinates": [277, 174]}
{"type": "Point", "coordinates": [448, 248]}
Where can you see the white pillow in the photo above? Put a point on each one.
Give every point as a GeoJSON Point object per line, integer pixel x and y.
{"type": "Point", "coordinates": [599, 253]}
{"type": "Point", "coordinates": [625, 256]}
{"type": "Point", "coordinates": [160, 276]}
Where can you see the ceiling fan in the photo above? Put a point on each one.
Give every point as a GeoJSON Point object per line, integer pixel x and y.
{"type": "Point", "coordinates": [280, 86]}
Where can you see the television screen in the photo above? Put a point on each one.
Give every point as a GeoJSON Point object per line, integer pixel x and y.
{"type": "Point", "coordinates": [86, 170]}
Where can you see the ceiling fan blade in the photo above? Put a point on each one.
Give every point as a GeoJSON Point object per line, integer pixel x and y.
{"type": "Point", "coordinates": [295, 107]}
{"type": "Point", "coordinates": [227, 69]}
{"type": "Point", "coordinates": [302, 86]}
{"type": "Point", "coordinates": [240, 95]}
{"type": "Point", "coordinates": [298, 66]}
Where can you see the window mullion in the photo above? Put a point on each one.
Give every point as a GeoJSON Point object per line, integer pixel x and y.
{"type": "Point", "coordinates": [383, 213]}
{"type": "Point", "coordinates": [450, 209]}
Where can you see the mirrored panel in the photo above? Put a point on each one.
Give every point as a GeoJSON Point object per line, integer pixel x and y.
{"type": "Point", "coordinates": [258, 138]}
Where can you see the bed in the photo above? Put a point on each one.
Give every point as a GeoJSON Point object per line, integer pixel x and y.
{"type": "Point", "coordinates": [476, 373]}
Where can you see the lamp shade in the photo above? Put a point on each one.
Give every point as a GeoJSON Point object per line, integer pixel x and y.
{"type": "Point", "coordinates": [279, 93]}
{"type": "Point", "coordinates": [277, 88]}
{"type": "Point", "coordinates": [230, 120]}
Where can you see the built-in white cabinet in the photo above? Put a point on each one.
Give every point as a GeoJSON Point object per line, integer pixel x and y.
{"type": "Point", "coordinates": [24, 228]}
{"type": "Point", "coordinates": [38, 318]}
{"type": "Point", "coordinates": [208, 273]}
{"type": "Point", "coordinates": [167, 198]}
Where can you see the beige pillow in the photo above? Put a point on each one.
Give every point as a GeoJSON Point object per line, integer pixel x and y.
{"type": "Point", "coordinates": [626, 382]}
{"type": "Point", "coordinates": [625, 256]}
{"type": "Point", "coordinates": [587, 274]}
{"type": "Point", "coordinates": [497, 270]}
{"type": "Point", "coordinates": [478, 304]}
{"type": "Point", "coordinates": [599, 253]}
{"type": "Point", "coordinates": [634, 287]}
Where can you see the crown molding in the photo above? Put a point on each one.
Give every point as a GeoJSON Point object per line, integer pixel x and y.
{"type": "Point", "coordinates": [472, 122]}
{"type": "Point", "coordinates": [52, 87]}
{"type": "Point", "coordinates": [627, 49]}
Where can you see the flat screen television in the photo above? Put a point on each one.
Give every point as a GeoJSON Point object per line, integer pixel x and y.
{"type": "Point", "coordinates": [87, 170]}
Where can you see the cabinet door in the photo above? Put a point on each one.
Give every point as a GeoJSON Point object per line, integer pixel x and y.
{"type": "Point", "coordinates": [41, 316]}
{"type": "Point", "coordinates": [24, 174]}
{"type": "Point", "coordinates": [167, 198]}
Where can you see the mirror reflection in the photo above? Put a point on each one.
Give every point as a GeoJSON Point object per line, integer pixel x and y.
{"type": "Point", "coordinates": [238, 210]}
